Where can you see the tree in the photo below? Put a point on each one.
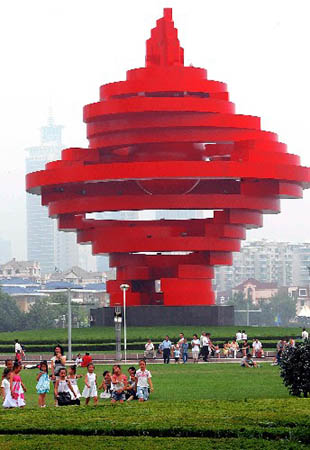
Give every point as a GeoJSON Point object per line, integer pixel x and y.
{"type": "Point", "coordinates": [279, 309]}
{"type": "Point", "coordinates": [295, 369]}
{"type": "Point", "coordinates": [43, 314]}
{"type": "Point", "coordinates": [11, 318]}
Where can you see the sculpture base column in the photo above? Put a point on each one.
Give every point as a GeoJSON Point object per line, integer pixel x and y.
{"type": "Point", "coordinates": [202, 316]}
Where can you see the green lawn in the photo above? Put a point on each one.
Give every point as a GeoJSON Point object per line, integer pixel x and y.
{"type": "Point", "coordinates": [137, 334]}
{"type": "Point", "coordinates": [190, 381]}
{"type": "Point", "coordinates": [193, 406]}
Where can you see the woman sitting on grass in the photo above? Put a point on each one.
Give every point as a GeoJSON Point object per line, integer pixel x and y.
{"type": "Point", "coordinates": [119, 381]}
{"type": "Point", "coordinates": [106, 385]}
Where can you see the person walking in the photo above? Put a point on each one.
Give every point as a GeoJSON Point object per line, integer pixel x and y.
{"type": "Point", "coordinates": [204, 346]}
{"type": "Point", "coordinates": [195, 344]}
{"type": "Point", "coordinates": [304, 335]}
{"type": "Point", "coordinates": [185, 351]}
{"type": "Point", "coordinates": [166, 349]}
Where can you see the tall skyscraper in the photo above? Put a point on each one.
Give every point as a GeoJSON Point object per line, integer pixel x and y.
{"type": "Point", "coordinates": [55, 250]}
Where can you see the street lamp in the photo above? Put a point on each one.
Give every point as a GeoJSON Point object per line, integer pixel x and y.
{"type": "Point", "coordinates": [124, 288]}
{"type": "Point", "coordinates": [69, 299]}
{"type": "Point", "coordinates": [118, 332]}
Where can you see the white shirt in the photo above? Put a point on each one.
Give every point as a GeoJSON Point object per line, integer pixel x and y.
{"type": "Point", "coordinates": [6, 385]}
{"type": "Point", "coordinates": [305, 335]}
{"type": "Point", "coordinates": [195, 345]}
{"type": "Point", "coordinates": [257, 345]}
{"type": "Point", "coordinates": [149, 346]}
{"type": "Point", "coordinates": [204, 341]}
{"type": "Point", "coordinates": [238, 336]}
{"type": "Point", "coordinates": [18, 347]}
{"type": "Point", "coordinates": [143, 377]}
{"type": "Point", "coordinates": [244, 336]}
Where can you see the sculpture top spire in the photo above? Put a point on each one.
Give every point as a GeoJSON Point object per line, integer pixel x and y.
{"type": "Point", "coordinates": [163, 48]}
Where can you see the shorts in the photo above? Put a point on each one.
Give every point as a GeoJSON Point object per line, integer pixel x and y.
{"type": "Point", "coordinates": [131, 393]}
{"type": "Point", "coordinates": [143, 392]}
{"type": "Point", "coordinates": [117, 397]}
{"type": "Point", "coordinates": [177, 359]}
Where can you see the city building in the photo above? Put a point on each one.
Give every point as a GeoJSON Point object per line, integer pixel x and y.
{"type": "Point", "coordinates": [25, 270]}
{"type": "Point", "coordinates": [283, 263]}
{"type": "Point", "coordinates": [52, 248]}
{"type": "Point", "coordinates": [79, 276]}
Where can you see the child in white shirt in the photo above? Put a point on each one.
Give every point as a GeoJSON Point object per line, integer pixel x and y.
{"type": "Point", "coordinates": [144, 381]}
{"type": "Point", "coordinates": [5, 388]}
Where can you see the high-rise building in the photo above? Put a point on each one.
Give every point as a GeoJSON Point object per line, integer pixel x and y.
{"type": "Point", "coordinates": [53, 249]}
{"type": "Point", "coordinates": [285, 263]}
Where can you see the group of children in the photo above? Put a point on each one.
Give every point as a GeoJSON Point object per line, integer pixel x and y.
{"type": "Point", "coordinates": [116, 386]}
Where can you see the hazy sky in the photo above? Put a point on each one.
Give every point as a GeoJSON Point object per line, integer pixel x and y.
{"type": "Point", "coordinates": [58, 53]}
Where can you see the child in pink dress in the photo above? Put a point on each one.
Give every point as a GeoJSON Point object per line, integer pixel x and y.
{"type": "Point", "coordinates": [17, 386]}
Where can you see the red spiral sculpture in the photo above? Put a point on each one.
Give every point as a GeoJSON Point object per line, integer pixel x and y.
{"type": "Point", "coordinates": [168, 138]}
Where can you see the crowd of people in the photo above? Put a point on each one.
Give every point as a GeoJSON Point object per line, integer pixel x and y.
{"type": "Point", "coordinates": [62, 381]}
{"type": "Point", "coordinates": [203, 347]}
{"type": "Point", "coordinates": [115, 385]}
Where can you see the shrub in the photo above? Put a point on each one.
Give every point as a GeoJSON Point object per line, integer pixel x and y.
{"type": "Point", "coordinates": [295, 369]}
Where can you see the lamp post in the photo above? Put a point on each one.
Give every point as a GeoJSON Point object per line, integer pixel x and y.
{"type": "Point", "coordinates": [118, 332]}
{"type": "Point", "coordinates": [69, 299]}
{"type": "Point", "coordinates": [124, 288]}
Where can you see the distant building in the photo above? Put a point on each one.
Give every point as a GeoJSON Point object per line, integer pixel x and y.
{"type": "Point", "coordinates": [79, 276]}
{"type": "Point", "coordinates": [283, 263]}
{"type": "Point", "coordinates": [25, 270]}
{"type": "Point", "coordinates": [5, 250]}
{"type": "Point", "coordinates": [52, 248]}
{"type": "Point", "coordinates": [255, 290]}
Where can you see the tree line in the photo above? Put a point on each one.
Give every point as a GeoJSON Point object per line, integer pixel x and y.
{"type": "Point", "coordinates": [43, 313]}
{"type": "Point", "coordinates": [277, 310]}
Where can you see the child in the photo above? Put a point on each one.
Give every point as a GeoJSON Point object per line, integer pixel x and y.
{"type": "Point", "coordinates": [90, 389]}
{"type": "Point", "coordinates": [177, 354]}
{"type": "Point", "coordinates": [119, 381]}
{"type": "Point", "coordinates": [62, 389]}
{"type": "Point", "coordinates": [131, 390]}
{"type": "Point", "coordinates": [5, 389]}
{"type": "Point", "coordinates": [9, 364]}
{"type": "Point", "coordinates": [43, 383]}
{"type": "Point", "coordinates": [18, 356]}
{"type": "Point", "coordinates": [78, 360]}
{"type": "Point", "coordinates": [73, 377]}
{"type": "Point", "coordinates": [16, 386]}
{"type": "Point", "coordinates": [217, 351]}
{"type": "Point", "coordinates": [144, 381]}
{"type": "Point", "coordinates": [106, 385]}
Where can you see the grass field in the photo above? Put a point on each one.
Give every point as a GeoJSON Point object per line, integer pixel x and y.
{"type": "Point", "coordinates": [137, 334]}
{"type": "Point", "coordinates": [193, 406]}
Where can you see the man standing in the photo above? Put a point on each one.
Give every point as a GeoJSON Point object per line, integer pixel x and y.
{"type": "Point", "coordinates": [304, 335]}
{"type": "Point", "coordinates": [166, 349]}
{"type": "Point", "coordinates": [238, 336]}
{"type": "Point", "coordinates": [18, 350]}
{"type": "Point", "coordinates": [204, 346]}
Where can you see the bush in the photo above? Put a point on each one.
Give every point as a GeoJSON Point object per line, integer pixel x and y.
{"type": "Point", "coordinates": [295, 369]}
